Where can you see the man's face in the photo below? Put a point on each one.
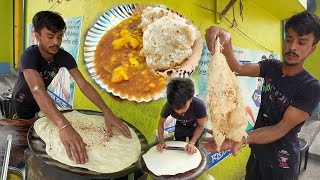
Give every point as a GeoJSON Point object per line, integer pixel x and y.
{"type": "Point", "coordinates": [184, 109]}
{"type": "Point", "coordinates": [297, 48]}
{"type": "Point", "coordinates": [49, 42]}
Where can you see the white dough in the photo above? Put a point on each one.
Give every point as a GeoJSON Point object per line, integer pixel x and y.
{"type": "Point", "coordinates": [171, 162]}
{"type": "Point", "coordinates": [105, 154]}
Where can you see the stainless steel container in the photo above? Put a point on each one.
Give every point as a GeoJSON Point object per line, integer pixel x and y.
{"type": "Point", "coordinates": [14, 174]}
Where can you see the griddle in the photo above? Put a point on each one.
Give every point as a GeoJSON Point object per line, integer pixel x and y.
{"type": "Point", "coordinates": [37, 147]}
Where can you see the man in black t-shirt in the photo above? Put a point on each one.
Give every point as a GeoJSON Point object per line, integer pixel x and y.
{"type": "Point", "coordinates": [38, 66]}
{"type": "Point", "coordinates": [289, 96]}
{"type": "Point", "coordinates": [190, 113]}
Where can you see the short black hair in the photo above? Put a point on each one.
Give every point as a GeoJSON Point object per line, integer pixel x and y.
{"type": "Point", "coordinates": [48, 19]}
{"type": "Point", "coordinates": [305, 23]}
{"type": "Point", "coordinates": [179, 91]}
{"type": "Point", "coordinates": [264, 57]}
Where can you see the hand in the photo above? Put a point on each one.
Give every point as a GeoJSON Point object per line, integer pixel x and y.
{"type": "Point", "coordinates": [191, 149]}
{"type": "Point", "coordinates": [210, 145]}
{"type": "Point", "coordinates": [75, 147]}
{"type": "Point", "coordinates": [111, 120]}
{"type": "Point", "coordinates": [211, 36]}
{"type": "Point", "coordinates": [161, 146]}
{"type": "Point", "coordinates": [237, 146]}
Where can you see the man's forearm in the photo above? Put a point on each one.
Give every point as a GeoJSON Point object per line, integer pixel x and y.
{"type": "Point", "coordinates": [266, 135]}
{"type": "Point", "coordinates": [48, 107]}
{"type": "Point", "coordinates": [233, 62]}
{"type": "Point", "coordinates": [160, 133]}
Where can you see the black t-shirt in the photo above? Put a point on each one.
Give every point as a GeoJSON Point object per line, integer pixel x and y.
{"type": "Point", "coordinates": [32, 59]}
{"type": "Point", "coordinates": [301, 91]}
{"type": "Point", "coordinates": [197, 110]}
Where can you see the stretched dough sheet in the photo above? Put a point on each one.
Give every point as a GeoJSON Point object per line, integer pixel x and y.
{"type": "Point", "coordinates": [105, 154]}
{"type": "Point", "coordinates": [227, 110]}
{"type": "Point", "coordinates": [171, 162]}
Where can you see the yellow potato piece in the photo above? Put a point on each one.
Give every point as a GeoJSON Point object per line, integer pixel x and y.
{"type": "Point", "coordinates": [119, 74]}
{"type": "Point", "coordinates": [134, 62]}
{"type": "Point", "coordinates": [124, 74]}
{"type": "Point", "coordinates": [124, 33]}
{"type": "Point", "coordinates": [134, 42]}
{"type": "Point", "coordinates": [116, 77]}
{"type": "Point", "coordinates": [118, 44]}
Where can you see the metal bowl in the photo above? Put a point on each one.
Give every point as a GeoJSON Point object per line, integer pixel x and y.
{"type": "Point", "coordinates": [14, 173]}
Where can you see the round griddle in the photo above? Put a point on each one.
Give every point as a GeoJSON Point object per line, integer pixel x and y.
{"type": "Point", "coordinates": [37, 147]}
{"type": "Point", "coordinates": [192, 174]}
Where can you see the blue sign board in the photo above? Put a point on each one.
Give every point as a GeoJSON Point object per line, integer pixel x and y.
{"type": "Point", "coordinates": [215, 158]}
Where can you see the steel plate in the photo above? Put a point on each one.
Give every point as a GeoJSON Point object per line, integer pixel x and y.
{"type": "Point", "coordinates": [110, 19]}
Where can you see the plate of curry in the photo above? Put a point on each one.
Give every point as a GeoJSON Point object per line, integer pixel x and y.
{"type": "Point", "coordinates": [113, 59]}
{"type": "Point", "coordinates": [112, 56]}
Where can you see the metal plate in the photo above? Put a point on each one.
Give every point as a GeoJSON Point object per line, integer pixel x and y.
{"type": "Point", "coordinates": [38, 147]}
{"type": "Point", "coordinates": [107, 21]}
{"type": "Point", "coordinates": [110, 19]}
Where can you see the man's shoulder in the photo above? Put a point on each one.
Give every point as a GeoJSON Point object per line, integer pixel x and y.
{"type": "Point", "coordinates": [31, 53]}
{"type": "Point", "coordinates": [311, 81]}
{"type": "Point", "coordinates": [197, 100]}
{"type": "Point", "coordinates": [65, 59]}
{"type": "Point", "coordinates": [63, 53]}
{"type": "Point", "coordinates": [198, 103]}
{"type": "Point", "coordinates": [166, 110]}
{"type": "Point", "coordinates": [31, 50]}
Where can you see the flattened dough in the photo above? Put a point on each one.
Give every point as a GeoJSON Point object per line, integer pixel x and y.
{"type": "Point", "coordinates": [171, 162]}
{"type": "Point", "coordinates": [105, 154]}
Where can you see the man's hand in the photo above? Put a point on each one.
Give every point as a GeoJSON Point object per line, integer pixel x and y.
{"type": "Point", "coordinates": [237, 146]}
{"type": "Point", "coordinates": [111, 120]}
{"type": "Point", "coordinates": [75, 147]}
{"type": "Point", "coordinates": [191, 149]}
{"type": "Point", "coordinates": [161, 146]}
{"type": "Point", "coordinates": [211, 36]}
{"type": "Point", "coordinates": [210, 145]}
